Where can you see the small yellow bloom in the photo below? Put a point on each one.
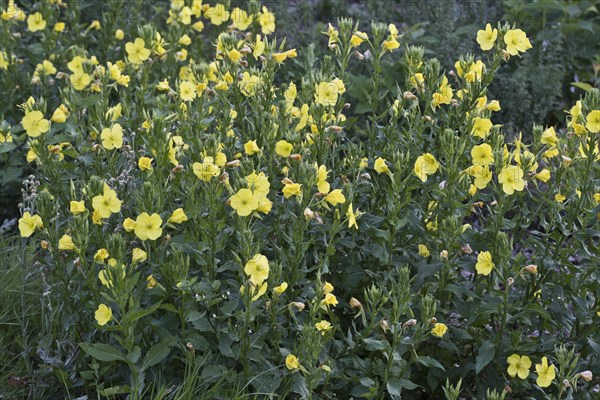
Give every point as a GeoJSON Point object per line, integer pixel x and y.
{"type": "Point", "coordinates": [283, 148]}
{"type": "Point", "coordinates": [77, 207]}
{"type": "Point", "coordinates": [36, 22]}
{"type": "Point", "coordinates": [511, 178]}
{"type": "Point", "coordinates": [518, 365]}
{"type": "Point", "coordinates": [481, 127]}
{"type": "Point", "coordinates": [482, 154]}
{"type": "Point", "coordinates": [66, 243]}
{"type": "Point", "coordinates": [112, 138]}
{"type": "Point", "coordinates": [425, 165]}
{"type": "Point", "coordinates": [137, 51]}
{"type": "Point", "coordinates": [484, 264]}
{"type": "Point", "coordinates": [145, 163]}
{"type": "Point", "coordinates": [281, 288]}
{"type": "Point", "coordinates": [329, 300]}
{"type": "Point", "coordinates": [546, 373]}
{"type": "Point", "coordinates": [178, 216]}
{"type": "Point", "coordinates": [516, 41]}
{"type": "Point", "coordinates": [291, 362]}
{"type": "Point", "coordinates": [103, 314]}
{"type": "Point", "coordinates": [148, 226]}
{"type": "Point", "coordinates": [34, 123]}
{"type": "Point", "coordinates": [29, 223]}
{"type": "Point", "coordinates": [335, 197]}
{"type": "Point", "coordinates": [119, 34]}
{"type": "Point", "coordinates": [138, 255]}
{"type": "Point", "coordinates": [257, 269]}
{"type": "Point", "coordinates": [250, 147]}
{"type": "Point", "coordinates": [593, 121]}
{"type": "Point", "coordinates": [151, 282]}
{"type": "Point", "coordinates": [424, 251]}
{"type": "Point", "coordinates": [323, 326]}
{"type": "Point", "coordinates": [244, 202]}
{"type": "Point", "coordinates": [381, 166]}
{"type": "Point", "coordinates": [292, 189]}
{"type": "Point", "coordinates": [439, 329]}
{"type": "Point", "coordinates": [351, 217]}
{"type": "Point", "coordinates": [559, 198]}
{"type": "Point", "coordinates": [266, 19]}
{"type": "Point", "coordinates": [486, 38]}
{"type": "Point", "coordinates": [101, 255]}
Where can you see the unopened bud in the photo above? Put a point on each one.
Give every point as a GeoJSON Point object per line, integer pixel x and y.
{"type": "Point", "coordinates": [44, 244]}
{"type": "Point", "coordinates": [354, 303]}
{"type": "Point", "coordinates": [177, 169]}
{"type": "Point", "coordinates": [433, 320]}
{"type": "Point", "coordinates": [410, 322]}
{"type": "Point", "coordinates": [35, 80]}
{"type": "Point", "coordinates": [359, 55]}
{"type": "Point", "coordinates": [586, 376]}
{"type": "Point", "coordinates": [409, 95]}
{"type": "Point", "coordinates": [444, 254]}
{"type": "Point", "coordinates": [532, 269]}
{"type": "Point", "coordinates": [299, 306]}
{"type": "Point", "coordinates": [566, 383]}
{"type": "Point", "coordinates": [466, 249]}
{"type": "Point", "coordinates": [189, 346]}
{"type": "Point", "coordinates": [566, 161]}
{"type": "Point", "coordinates": [336, 128]}
{"type": "Point", "coordinates": [510, 281]}
{"type": "Point", "coordinates": [384, 325]}
{"type": "Point", "coordinates": [233, 164]}
{"type": "Point", "coordinates": [308, 213]}
{"type": "Point", "coordinates": [494, 203]}
{"type": "Point", "coordinates": [287, 181]}
{"type": "Point", "coordinates": [296, 157]}
{"type": "Point", "coordinates": [245, 50]}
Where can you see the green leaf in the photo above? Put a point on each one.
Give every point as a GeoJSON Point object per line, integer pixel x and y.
{"type": "Point", "coordinates": [156, 354]}
{"type": "Point", "coordinates": [582, 85]}
{"type": "Point", "coordinates": [394, 388]}
{"type": "Point", "coordinates": [111, 391]}
{"type": "Point", "coordinates": [485, 356]}
{"type": "Point", "coordinates": [430, 362]}
{"type": "Point", "coordinates": [7, 146]}
{"type": "Point", "coordinates": [103, 352]}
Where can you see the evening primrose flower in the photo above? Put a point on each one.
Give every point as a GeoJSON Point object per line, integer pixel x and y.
{"type": "Point", "coordinates": [80, 80]}
{"type": "Point", "coordinates": [145, 163]}
{"type": "Point", "coordinates": [217, 14]}
{"type": "Point", "coordinates": [484, 264]}
{"type": "Point", "coordinates": [66, 243]}
{"type": "Point", "coordinates": [322, 184]}
{"type": "Point", "coordinates": [138, 255]}
{"type": "Point", "coordinates": [240, 19]}
{"type": "Point", "coordinates": [281, 288]}
{"type": "Point", "coordinates": [266, 19]}
{"type": "Point", "coordinates": [335, 197]}
{"type": "Point", "coordinates": [187, 91]}
{"type": "Point", "coordinates": [244, 202]}
{"type": "Point", "coordinates": [486, 38]}
{"type": "Point", "coordinates": [423, 251]}
{"type": "Point", "coordinates": [549, 137]}
{"type": "Point", "coordinates": [34, 123]}
{"type": "Point", "coordinates": [481, 127]}
{"type": "Point", "coordinates": [291, 362]}
{"type": "Point", "coordinates": [107, 202]}
{"type": "Point", "coordinates": [543, 175]}
{"type": "Point", "coordinates": [257, 269]}
{"type": "Point", "coordinates": [178, 216]}
{"type": "Point", "coordinates": [150, 282]}
{"type": "Point", "coordinates": [323, 326]}
{"type": "Point", "coordinates": [292, 189]}
{"type": "Point", "coordinates": [326, 94]}
{"type": "Point", "coordinates": [112, 138]}
{"type": "Point", "coordinates": [29, 223]}
{"type": "Point", "coordinates": [351, 217]}
{"type": "Point", "coordinates": [511, 178]}
{"type": "Point", "coordinates": [546, 373]}
{"type": "Point", "coordinates": [137, 51]}
{"type": "Point", "coordinates": [381, 166]}
{"type": "Point", "coordinates": [103, 314]}
{"type": "Point", "coordinates": [148, 226]}
{"type": "Point", "coordinates": [283, 148]}
{"type": "Point", "coordinates": [593, 121]}
{"type": "Point", "coordinates": [516, 41]}
{"type": "Point", "coordinates": [250, 147]}
{"type": "Point", "coordinates": [36, 22]}
{"type": "Point", "coordinates": [207, 170]}
{"type": "Point", "coordinates": [518, 365]}
{"type": "Point", "coordinates": [425, 165]}
{"type": "Point", "coordinates": [439, 329]}
{"type": "Point", "coordinates": [77, 207]}
{"type": "Point", "coordinates": [482, 154]}
{"type": "Point", "coordinates": [329, 300]}
{"type": "Point", "coordinates": [60, 115]}
{"type": "Point", "coordinates": [101, 255]}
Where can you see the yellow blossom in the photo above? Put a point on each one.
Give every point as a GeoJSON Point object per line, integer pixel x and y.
{"type": "Point", "coordinates": [137, 51]}
{"type": "Point", "coordinates": [66, 243]}
{"type": "Point", "coordinates": [244, 202]}
{"type": "Point", "coordinates": [112, 138]}
{"type": "Point", "coordinates": [106, 203]}
{"type": "Point", "coordinates": [103, 314]}
{"type": "Point", "coordinates": [516, 41]}
{"type": "Point", "coordinates": [257, 269]}
{"type": "Point", "coordinates": [148, 226]}
{"type": "Point", "coordinates": [145, 163]}
{"type": "Point", "coordinates": [291, 362]}
{"type": "Point", "coordinates": [335, 197]}
{"type": "Point", "coordinates": [29, 223]}
{"type": "Point", "coordinates": [486, 38]}
{"type": "Point", "coordinates": [546, 373]}
{"type": "Point", "coordinates": [484, 264]}
{"type": "Point", "coordinates": [77, 207]}
{"type": "Point", "coordinates": [34, 123]}
{"type": "Point", "coordinates": [178, 216]}
{"type": "Point", "coordinates": [425, 165]}
{"type": "Point", "coordinates": [439, 329]}
{"type": "Point", "coordinates": [518, 365]}
{"type": "Point", "coordinates": [36, 22]}
{"type": "Point", "coordinates": [511, 178]}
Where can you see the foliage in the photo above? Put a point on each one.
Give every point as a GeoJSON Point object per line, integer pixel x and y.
{"type": "Point", "coordinates": [216, 214]}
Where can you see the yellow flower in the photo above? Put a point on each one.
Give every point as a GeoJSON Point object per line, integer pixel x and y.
{"type": "Point", "coordinates": [281, 288]}
{"type": "Point", "coordinates": [129, 224]}
{"type": "Point", "coordinates": [60, 114]}
{"type": "Point", "coordinates": [119, 34]}
{"type": "Point", "coordinates": [106, 203]}
{"type": "Point", "coordinates": [291, 362]}
{"type": "Point", "coordinates": [66, 243]}
{"type": "Point", "coordinates": [381, 166]}
{"type": "Point", "coordinates": [77, 207]}
{"type": "Point", "coordinates": [482, 154]}
{"type": "Point", "coordinates": [148, 226]}
{"type": "Point", "coordinates": [178, 216]}
{"type": "Point", "coordinates": [234, 55]}
{"type": "Point", "coordinates": [138, 255]}
{"type": "Point", "coordinates": [559, 198]}
{"type": "Point", "coordinates": [593, 121]}
{"type": "Point", "coordinates": [546, 373]}
{"type": "Point", "coordinates": [292, 189]}
{"type": "Point", "coordinates": [425, 165]}
{"type": "Point", "coordinates": [351, 217]}
{"type": "Point", "coordinates": [283, 148]}
{"type": "Point", "coordinates": [511, 178]}
{"type": "Point", "coordinates": [516, 41]}
{"type": "Point", "coordinates": [151, 282]}
{"type": "Point", "coordinates": [518, 365]}
{"type": "Point", "coordinates": [335, 197]}
{"type": "Point", "coordinates": [424, 251]}
{"type": "Point", "coordinates": [257, 269]}
{"type": "Point", "coordinates": [145, 163]}
{"type": "Point", "coordinates": [327, 94]}
{"type": "Point", "coordinates": [101, 255]}
{"type": "Point", "coordinates": [137, 51]}
{"type": "Point", "coordinates": [481, 127]}
{"type": "Point", "coordinates": [322, 184]}
{"type": "Point", "coordinates": [103, 314]}
{"type": "Point", "coordinates": [323, 326]}
{"type": "Point", "coordinates": [549, 137]}
{"type": "Point", "coordinates": [240, 19]}
{"type": "Point", "coordinates": [187, 90]}
{"type": "Point", "coordinates": [439, 329]}
{"type": "Point", "coordinates": [80, 80]}
{"type": "Point", "coordinates": [486, 38]}
{"type": "Point", "coordinates": [543, 175]}
{"type": "Point", "coordinates": [484, 264]}
{"type": "Point", "coordinates": [327, 287]}
{"type": "Point", "coordinates": [59, 27]}
{"type": "Point", "coordinates": [29, 223]}
{"type": "Point", "coordinates": [36, 22]}
{"type": "Point", "coordinates": [281, 57]}
{"type": "Point", "coordinates": [217, 14]}
{"type": "Point", "coordinates": [357, 38]}
{"type": "Point", "coordinates": [34, 123]}
{"type": "Point", "coordinates": [329, 300]}
{"type": "Point", "coordinates": [250, 147]}
{"type": "Point", "coordinates": [207, 170]}
{"type": "Point", "coordinates": [112, 138]}
{"type": "Point", "coordinates": [267, 21]}
{"type": "Point", "coordinates": [244, 202]}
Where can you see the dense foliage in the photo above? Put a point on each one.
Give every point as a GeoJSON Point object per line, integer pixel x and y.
{"type": "Point", "coordinates": [213, 213]}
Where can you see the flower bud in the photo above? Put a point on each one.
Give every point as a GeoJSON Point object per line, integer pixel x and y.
{"type": "Point", "coordinates": [444, 254]}
{"type": "Point", "coordinates": [354, 303]}
{"type": "Point", "coordinates": [359, 55]}
{"type": "Point", "coordinates": [409, 96]}
{"type": "Point", "coordinates": [189, 346]}
{"type": "Point", "coordinates": [308, 213]}
{"type": "Point", "coordinates": [433, 320]}
{"type": "Point", "coordinates": [532, 269]}
{"type": "Point", "coordinates": [466, 249]}
{"type": "Point", "coordinates": [299, 306]}
{"type": "Point", "coordinates": [586, 375]}
{"type": "Point", "coordinates": [566, 161]}
{"type": "Point", "coordinates": [233, 164]}
{"type": "Point", "coordinates": [510, 281]}
{"type": "Point", "coordinates": [384, 325]}
{"type": "Point", "coordinates": [410, 322]}
{"type": "Point", "coordinates": [296, 157]}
